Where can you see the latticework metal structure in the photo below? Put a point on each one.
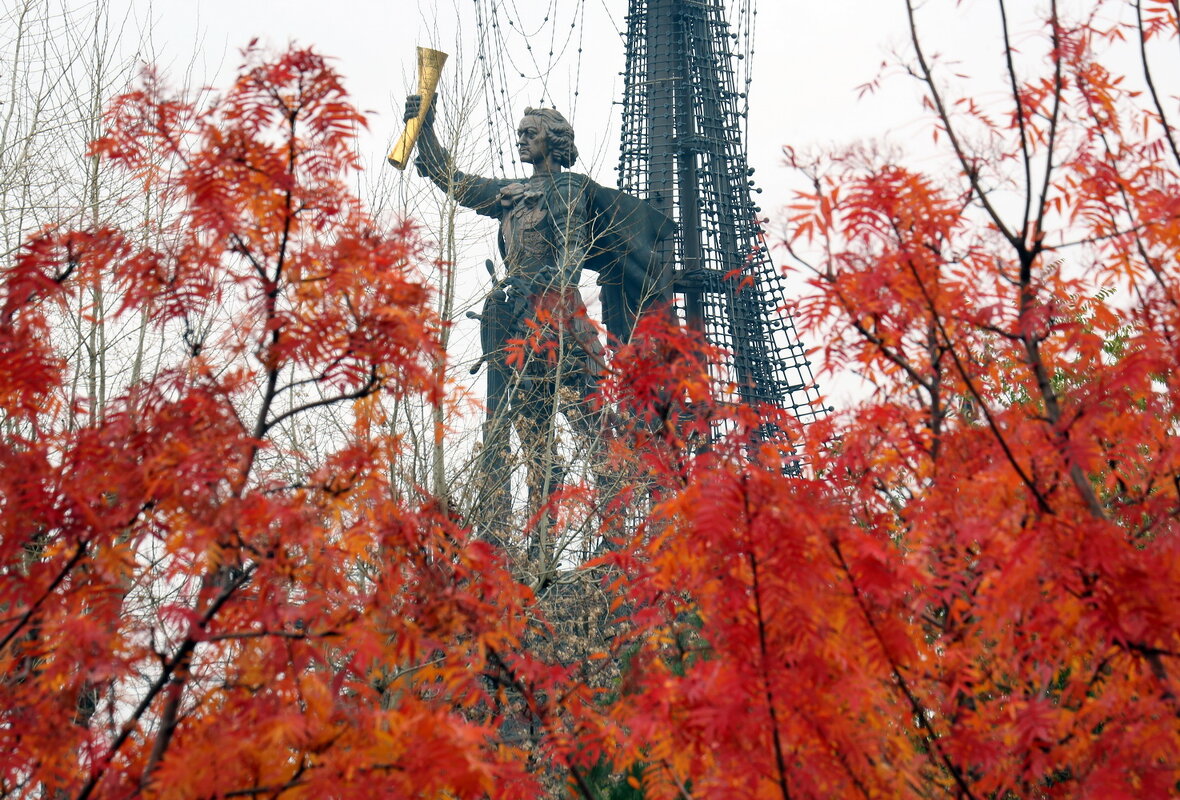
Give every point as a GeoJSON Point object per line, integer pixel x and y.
{"type": "Point", "coordinates": [683, 149]}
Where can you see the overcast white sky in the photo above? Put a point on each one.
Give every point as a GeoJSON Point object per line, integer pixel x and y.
{"type": "Point", "coordinates": [810, 58]}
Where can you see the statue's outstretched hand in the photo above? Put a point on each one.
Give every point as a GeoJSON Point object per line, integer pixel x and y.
{"type": "Point", "coordinates": [414, 105]}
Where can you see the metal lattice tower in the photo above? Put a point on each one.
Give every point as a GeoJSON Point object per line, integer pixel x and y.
{"type": "Point", "coordinates": [683, 149]}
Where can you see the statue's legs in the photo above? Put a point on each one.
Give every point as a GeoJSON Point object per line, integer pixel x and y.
{"type": "Point", "coordinates": [559, 373]}
{"type": "Point", "coordinates": [591, 422]}
{"type": "Point", "coordinates": [493, 503]}
{"type": "Point", "coordinates": [533, 410]}
{"type": "Point", "coordinates": [565, 378]}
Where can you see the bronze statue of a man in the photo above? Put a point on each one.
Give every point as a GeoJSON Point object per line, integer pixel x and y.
{"type": "Point", "coordinates": [552, 225]}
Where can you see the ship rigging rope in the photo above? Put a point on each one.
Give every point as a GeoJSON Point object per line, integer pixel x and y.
{"type": "Point", "coordinates": [502, 28]}
{"type": "Point", "coordinates": [511, 59]}
{"type": "Point", "coordinates": [745, 14]}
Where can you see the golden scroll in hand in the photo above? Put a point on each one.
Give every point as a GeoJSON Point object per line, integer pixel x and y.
{"type": "Point", "coordinates": [430, 63]}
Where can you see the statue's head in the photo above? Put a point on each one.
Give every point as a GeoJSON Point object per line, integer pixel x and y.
{"type": "Point", "coordinates": [558, 136]}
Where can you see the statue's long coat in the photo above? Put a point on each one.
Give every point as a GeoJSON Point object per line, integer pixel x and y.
{"type": "Point", "coordinates": [622, 241]}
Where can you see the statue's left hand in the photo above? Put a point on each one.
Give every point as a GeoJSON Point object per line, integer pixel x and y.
{"type": "Point", "coordinates": [544, 279]}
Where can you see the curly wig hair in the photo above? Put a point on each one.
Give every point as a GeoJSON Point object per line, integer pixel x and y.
{"type": "Point", "coordinates": [559, 134]}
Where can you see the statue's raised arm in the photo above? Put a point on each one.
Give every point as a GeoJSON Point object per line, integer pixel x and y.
{"type": "Point", "coordinates": [434, 162]}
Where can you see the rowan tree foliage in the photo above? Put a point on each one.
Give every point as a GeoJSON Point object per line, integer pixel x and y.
{"type": "Point", "coordinates": [973, 594]}
{"type": "Point", "coordinates": [969, 593]}
{"type": "Point", "coordinates": [188, 608]}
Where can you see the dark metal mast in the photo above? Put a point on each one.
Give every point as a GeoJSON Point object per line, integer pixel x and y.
{"type": "Point", "coordinates": [683, 150]}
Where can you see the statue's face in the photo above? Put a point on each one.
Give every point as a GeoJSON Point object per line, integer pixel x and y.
{"type": "Point", "coordinates": [532, 140]}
